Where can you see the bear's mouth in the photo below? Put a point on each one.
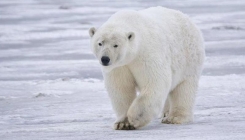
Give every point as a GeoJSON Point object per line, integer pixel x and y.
{"type": "Point", "coordinates": [105, 65]}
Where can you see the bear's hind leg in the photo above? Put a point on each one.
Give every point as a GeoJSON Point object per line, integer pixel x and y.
{"type": "Point", "coordinates": [182, 100]}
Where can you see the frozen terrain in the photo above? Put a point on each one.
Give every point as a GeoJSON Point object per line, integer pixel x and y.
{"type": "Point", "coordinates": [51, 86]}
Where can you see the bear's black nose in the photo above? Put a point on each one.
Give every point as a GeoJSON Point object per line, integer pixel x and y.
{"type": "Point", "coordinates": [105, 60]}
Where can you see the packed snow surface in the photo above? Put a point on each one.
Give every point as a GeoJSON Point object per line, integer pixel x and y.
{"type": "Point", "coordinates": [51, 85]}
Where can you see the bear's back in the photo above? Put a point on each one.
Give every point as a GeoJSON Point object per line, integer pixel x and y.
{"type": "Point", "coordinates": [124, 20]}
{"type": "Point", "coordinates": [158, 18]}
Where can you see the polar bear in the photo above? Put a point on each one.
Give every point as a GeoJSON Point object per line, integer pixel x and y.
{"type": "Point", "coordinates": [157, 53]}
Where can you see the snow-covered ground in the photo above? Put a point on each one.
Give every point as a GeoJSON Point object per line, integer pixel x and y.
{"type": "Point", "coordinates": [51, 86]}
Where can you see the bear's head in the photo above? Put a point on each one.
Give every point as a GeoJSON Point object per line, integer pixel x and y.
{"type": "Point", "coordinates": [112, 47]}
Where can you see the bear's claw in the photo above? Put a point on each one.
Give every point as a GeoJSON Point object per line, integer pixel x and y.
{"type": "Point", "coordinates": [181, 119]}
{"type": "Point", "coordinates": [125, 125]}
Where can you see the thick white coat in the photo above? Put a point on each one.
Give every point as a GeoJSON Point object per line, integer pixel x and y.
{"type": "Point", "coordinates": [162, 61]}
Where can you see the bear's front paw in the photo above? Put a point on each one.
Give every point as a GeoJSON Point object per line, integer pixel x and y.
{"type": "Point", "coordinates": [177, 118]}
{"type": "Point", "coordinates": [123, 125]}
{"type": "Point", "coordinates": [138, 118]}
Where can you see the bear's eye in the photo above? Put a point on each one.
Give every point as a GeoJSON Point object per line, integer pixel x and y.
{"type": "Point", "coordinates": [100, 44]}
{"type": "Point", "coordinates": [115, 46]}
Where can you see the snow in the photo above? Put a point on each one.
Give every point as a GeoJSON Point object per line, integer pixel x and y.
{"type": "Point", "coordinates": [51, 86]}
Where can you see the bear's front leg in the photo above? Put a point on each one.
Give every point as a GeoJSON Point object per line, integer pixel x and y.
{"type": "Point", "coordinates": [154, 84]}
{"type": "Point", "coordinates": [120, 85]}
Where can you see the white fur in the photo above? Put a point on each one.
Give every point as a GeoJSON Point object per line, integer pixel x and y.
{"type": "Point", "coordinates": [163, 60]}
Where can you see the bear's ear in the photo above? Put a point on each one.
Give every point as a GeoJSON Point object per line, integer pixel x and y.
{"type": "Point", "coordinates": [92, 31]}
{"type": "Point", "coordinates": [130, 35]}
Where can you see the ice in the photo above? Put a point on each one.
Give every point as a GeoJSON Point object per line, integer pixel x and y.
{"type": "Point", "coordinates": [51, 86]}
